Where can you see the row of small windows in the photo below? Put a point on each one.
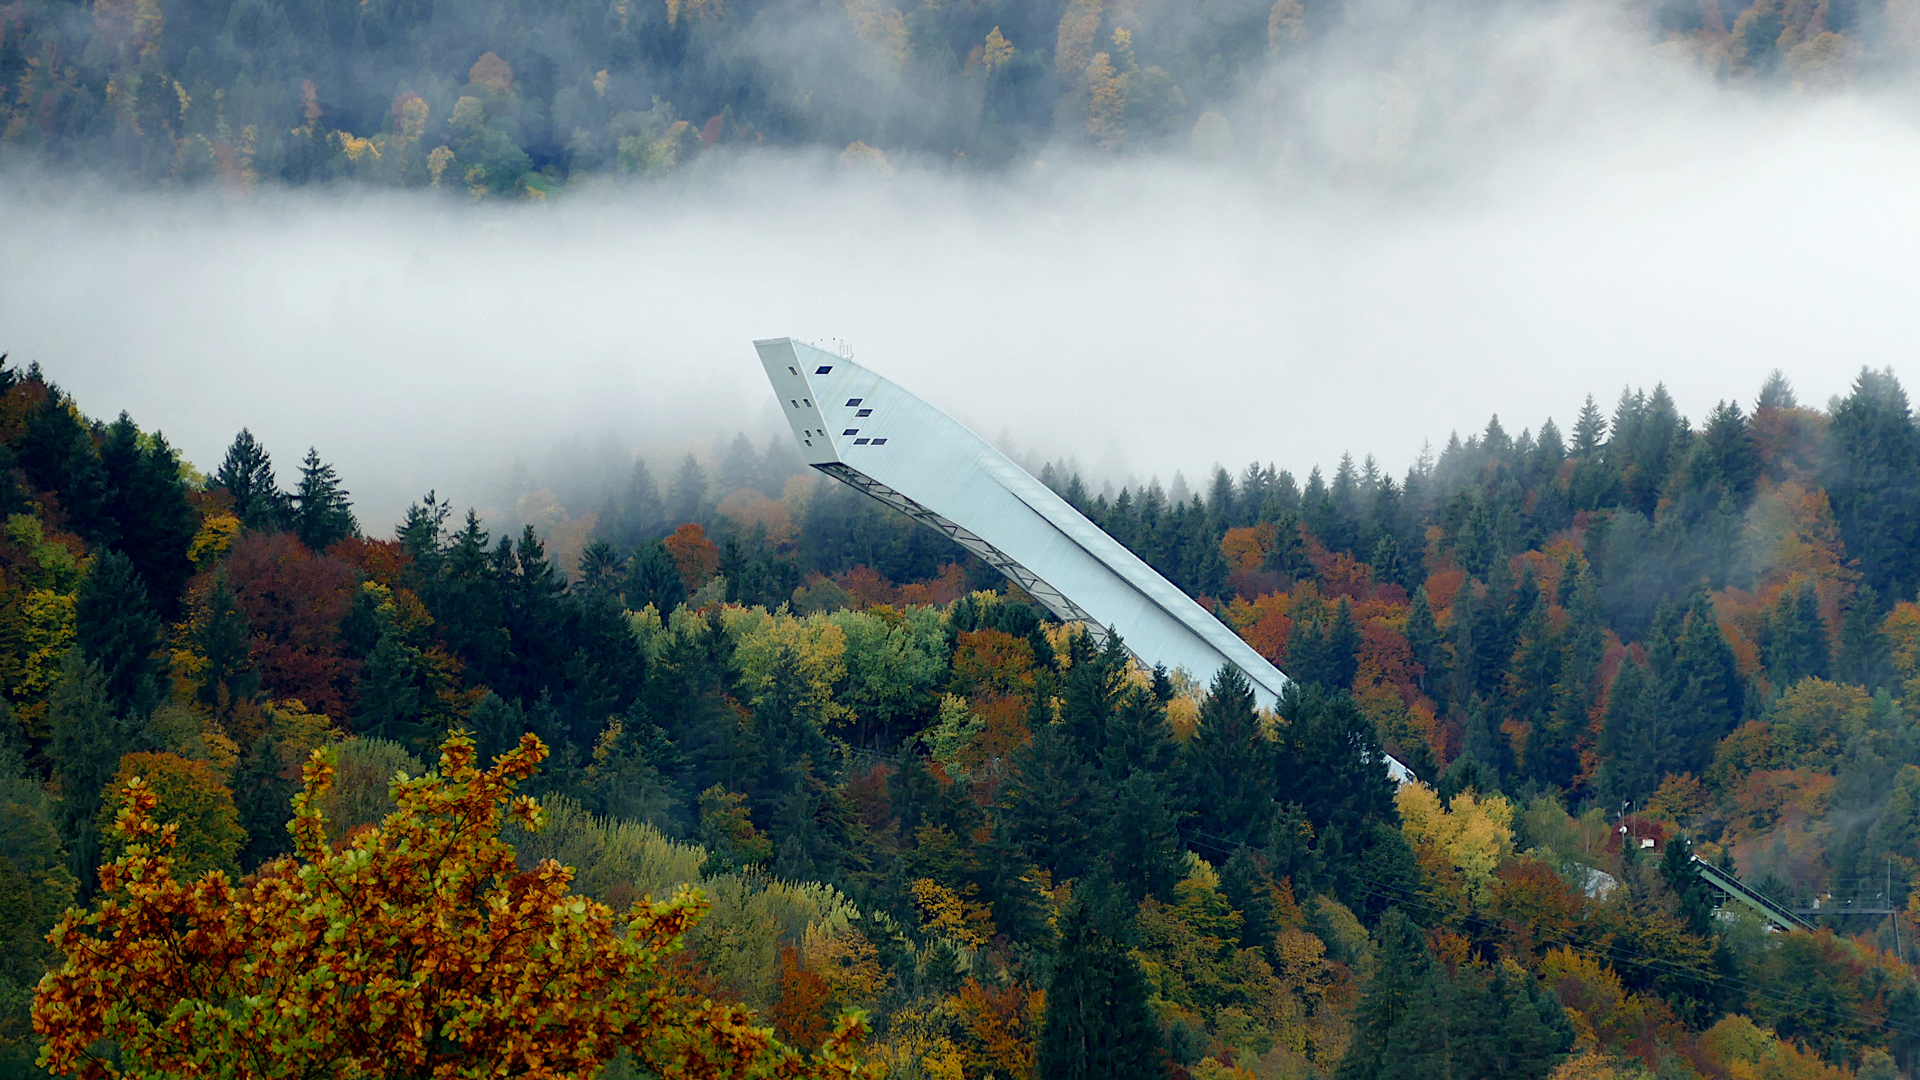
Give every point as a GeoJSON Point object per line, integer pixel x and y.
{"type": "Point", "coordinates": [865, 442]}
{"type": "Point", "coordinates": [808, 402]}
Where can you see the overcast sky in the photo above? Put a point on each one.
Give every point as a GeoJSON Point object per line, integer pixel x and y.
{"type": "Point", "coordinates": [1142, 318]}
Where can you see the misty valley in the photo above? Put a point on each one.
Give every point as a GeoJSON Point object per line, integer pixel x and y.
{"type": "Point", "coordinates": [731, 768]}
{"type": "Point", "coordinates": [428, 651]}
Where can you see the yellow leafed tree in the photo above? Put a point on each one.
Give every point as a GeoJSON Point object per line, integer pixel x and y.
{"type": "Point", "coordinates": [415, 948]}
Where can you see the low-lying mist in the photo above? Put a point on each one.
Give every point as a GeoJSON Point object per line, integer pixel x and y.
{"type": "Point", "coordinates": [1578, 223]}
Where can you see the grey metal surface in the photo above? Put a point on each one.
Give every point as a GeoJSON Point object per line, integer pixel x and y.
{"type": "Point", "coordinates": [868, 433]}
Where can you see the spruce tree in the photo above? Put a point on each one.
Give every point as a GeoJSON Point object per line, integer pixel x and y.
{"type": "Point", "coordinates": [1399, 991]}
{"type": "Point", "coordinates": [1224, 765]}
{"type": "Point", "coordinates": [1343, 647]}
{"type": "Point", "coordinates": [1053, 801]}
{"type": "Point", "coordinates": [322, 515]}
{"type": "Point", "coordinates": [88, 734]}
{"type": "Point", "coordinates": [1871, 471]}
{"type": "Point", "coordinates": [652, 578]}
{"type": "Point", "coordinates": [247, 474]}
{"type": "Point", "coordinates": [1795, 645]}
{"type": "Point", "coordinates": [687, 494]}
{"type": "Point", "coordinates": [1776, 393]}
{"type": "Point", "coordinates": [1423, 639]}
{"type": "Point", "coordinates": [222, 636]}
{"type": "Point", "coordinates": [1703, 690]}
{"type": "Point", "coordinates": [118, 632]}
{"type": "Point", "coordinates": [1729, 450]}
{"type": "Point", "coordinates": [1632, 737]}
{"type": "Point", "coordinates": [153, 523]}
{"type": "Point", "coordinates": [1098, 1023]}
{"type": "Point", "coordinates": [57, 453]}
{"type": "Point", "coordinates": [1863, 657]}
{"type": "Point", "coordinates": [1532, 677]}
{"type": "Point", "coordinates": [636, 516]}
{"type": "Point", "coordinates": [1556, 759]}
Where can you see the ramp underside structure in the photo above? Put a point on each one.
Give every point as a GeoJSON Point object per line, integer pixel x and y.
{"type": "Point", "coordinates": [872, 435]}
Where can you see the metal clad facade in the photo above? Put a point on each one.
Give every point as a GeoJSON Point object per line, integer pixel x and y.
{"type": "Point", "coordinates": [847, 419]}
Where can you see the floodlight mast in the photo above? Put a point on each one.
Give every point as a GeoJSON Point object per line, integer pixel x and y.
{"type": "Point", "coordinates": [868, 433]}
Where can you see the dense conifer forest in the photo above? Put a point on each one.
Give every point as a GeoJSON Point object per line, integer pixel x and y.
{"type": "Point", "coordinates": [905, 789]}
{"type": "Point", "coordinates": [520, 99]}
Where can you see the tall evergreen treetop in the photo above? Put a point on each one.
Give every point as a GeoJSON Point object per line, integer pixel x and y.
{"type": "Point", "coordinates": [1872, 476]}
{"type": "Point", "coordinates": [119, 633]}
{"type": "Point", "coordinates": [1776, 393]}
{"type": "Point", "coordinates": [322, 515]}
{"type": "Point", "coordinates": [147, 502]}
{"type": "Point", "coordinates": [1098, 1024]}
{"type": "Point", "coordinates": [247, 474]}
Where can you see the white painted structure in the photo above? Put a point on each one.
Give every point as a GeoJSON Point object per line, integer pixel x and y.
{"type": "Point", "coordinates": [866, 432]}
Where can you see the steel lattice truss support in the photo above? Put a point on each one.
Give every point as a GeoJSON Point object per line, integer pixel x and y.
{"type": "Point", "coordinates": [864, 431]}
{"type": "Point", "coordinates": [1056, 601]}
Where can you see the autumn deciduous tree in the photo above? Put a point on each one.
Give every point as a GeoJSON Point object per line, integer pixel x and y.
{"type": "Point", "coordinates": [189, 796]}
{"type": "Point", "coordinates": [414, 949]}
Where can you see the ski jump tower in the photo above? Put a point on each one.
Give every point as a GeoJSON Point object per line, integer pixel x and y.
{"type": "Point", "coordinates": [868, 433]}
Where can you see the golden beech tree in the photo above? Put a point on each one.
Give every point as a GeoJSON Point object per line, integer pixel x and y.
{"type": "Point", "coordinates": [412, 949]}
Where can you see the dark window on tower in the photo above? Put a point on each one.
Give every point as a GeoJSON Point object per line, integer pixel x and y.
{"type": "Point", "coordinates": [823, 369]}
{"type": "Point", "coordinates": [851, 431]}
{"type": "Point", "coordinates": [852, 401]}
{"type": "Point", "coordinates": [861, 442]}
{"type": "Point", "coordinates": [864, 412]}
{"type": "Point", "coordinates": [879, 442]}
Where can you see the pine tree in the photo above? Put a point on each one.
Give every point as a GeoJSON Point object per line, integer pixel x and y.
{"type": "Point", "coordinates": [1327, 759]}
{"type": "Point", "coordinates": [1485, 742]}
{"type": "Point", "coordinates": [652, 578]}
{"type": "Point", "coordinates": [1776, 393]}
{"type": "Point", "coordinates": [153, 523]}
{"type": "Point", "coordinates": [636, 516]}
{"type": "Point", "coordinates": [1531, 679]}
{"type": "Point", "coordinates": [1729, 449]}
{"type": "Point", "coordinates": [57, 453]}
{"type": "Point", "coordinates": [1557, 755]}
{"type": "Point", "coordinates": [687, 494]}
{"type": "Point", "coordinates": [88, 736]}
{"type": "Point", "coordinates": [118, 632]}
{"type": "Point", "coordinates": [1871, 470]}
{"type": "Point", "coordinates": [1343, 647]}
{"type": "Point", "coordinates": [600, 569]}
{"type": "Point", "coordinates": [1098, 1023]}
{"type": "Point", "coordinates": [1795, 645]}
{"type": "Point", "coordinates": [322, 515]}
{"type": "Point", "coordinates": [1400, 990]}
{"type": "Point", "coordinates": [1691, 893]}
{"type": "Point", "coordinates": [221, 636]}
{"type": "Point", "coordinates": [1863, 651]}
{"type": "Point", "coordinates": [1631, 737]}
{"type": "Point", "coordinates": [1222, 765]}
{"type": "Point", "coordinates": [1423, 638]}
{"type": "Point", "coordinates": [1589, 431]}
{"type": "Point", "coordinates": [1053, 801]}
{"type": "Point", "coordinates": [247, 474]}
{"type": "Point", "coordinates": [1703, 691]}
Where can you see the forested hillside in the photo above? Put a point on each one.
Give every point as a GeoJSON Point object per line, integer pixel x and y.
{"type": "Point", "coordinates": [905, 789]}
{"type": "Point", "coordinates": [505, 98]}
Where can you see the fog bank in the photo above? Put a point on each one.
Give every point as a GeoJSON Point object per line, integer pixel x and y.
{"type": "Point", "coordinates": [1140, 317]}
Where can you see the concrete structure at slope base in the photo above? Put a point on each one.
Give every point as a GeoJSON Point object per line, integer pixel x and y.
{"type": "Point", "coordinates": [870, 434]}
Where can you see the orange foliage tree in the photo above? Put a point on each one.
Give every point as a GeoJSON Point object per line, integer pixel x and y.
{"type": "Point", "coordinates": [414, 949]}
{"type": "Point", "coordinates": [695, 556]}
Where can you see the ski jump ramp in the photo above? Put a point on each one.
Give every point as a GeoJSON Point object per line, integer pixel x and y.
{"type": "Point", "coordinates": [872, 435]}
